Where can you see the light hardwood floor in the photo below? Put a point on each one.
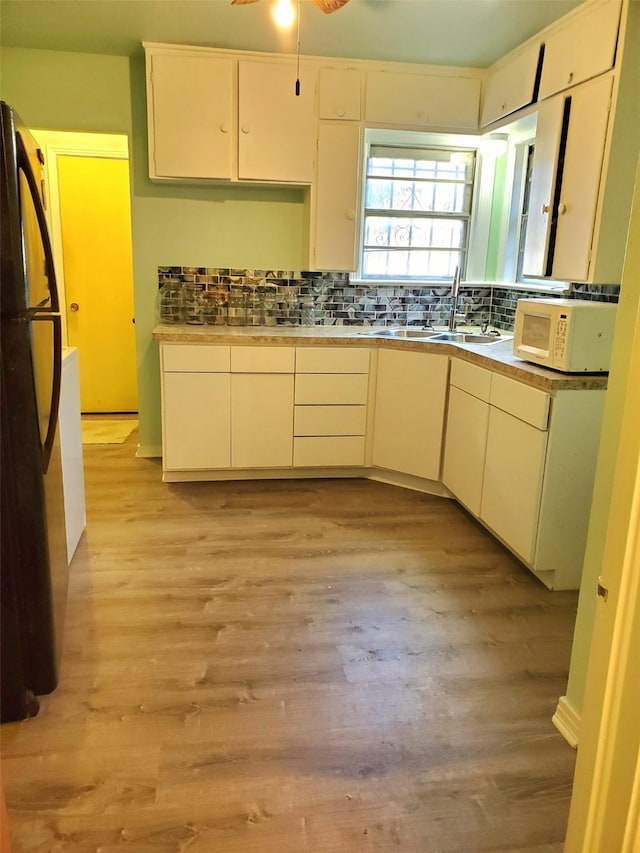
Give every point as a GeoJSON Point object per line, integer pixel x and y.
{"type": "Point", "coordinates": [301, 666]}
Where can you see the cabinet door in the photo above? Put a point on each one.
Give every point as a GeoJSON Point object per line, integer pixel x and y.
{"type": "Point", "coordinates": [339, 96]}
{"type": "Point", "coordinates": [570, 143]}
{"type": "Point", "coordinates": [466, 444]}
{"type": "Point", "coordinates": [511, 85]}
{"type": "Point", "coordinates": [191, 117]}
{"type": "Point", "coordinates": [261, 420]}
{"type": "Point", "coordinates": [512, 487]}
{"type": "Point", "coordinates": [277, 128]}
{"type": "Point", "coordinates": [409, 415]}
{"type": "Point", "coordinates": [195, 421]}
{"type": "Point", "coordinates": [422, 99]}
{"type": "Point", "coordinates": [583, 47]}
{"type": "Point", "coordinates": [336, 198]}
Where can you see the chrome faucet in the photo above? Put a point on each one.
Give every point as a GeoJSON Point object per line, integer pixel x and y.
{"type": "Point", "coordinates": [455, 296]}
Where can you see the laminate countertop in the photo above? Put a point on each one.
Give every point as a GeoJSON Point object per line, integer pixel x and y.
{"type": "Point", "coordinates": [497, 357]}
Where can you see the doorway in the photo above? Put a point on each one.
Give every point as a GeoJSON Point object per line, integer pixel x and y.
{"type": "Point", "coordinates": [89, 208]}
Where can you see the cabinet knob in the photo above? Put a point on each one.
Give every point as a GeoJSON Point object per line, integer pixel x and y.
{"type": "Point", "coordinates": [74, 306]}
{"type": "Point", "coordinates": [545, 208]}
{"type": "Point", "coordinates": [246, 128]}
{"type": "Point", "coordinates": [224, 128]}
{"type": "Point", "coordinates": [562, 208]}
{"type": "Point", "coordinates": [351, 214]}
{"type": "Point", "coordinates": [340, 113]}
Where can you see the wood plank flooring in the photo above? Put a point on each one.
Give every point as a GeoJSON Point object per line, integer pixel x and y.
{"type": "Point", "coordinates": [303, 666]}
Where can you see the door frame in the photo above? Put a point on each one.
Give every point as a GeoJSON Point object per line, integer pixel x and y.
{"type": "Point", "coordinates": [111, 146]}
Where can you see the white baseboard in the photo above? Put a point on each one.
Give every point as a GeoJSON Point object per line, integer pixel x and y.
{"type": "Point", "coordinates": [567, 720]}
{"type": "Point", "coordinates": [149, 451]}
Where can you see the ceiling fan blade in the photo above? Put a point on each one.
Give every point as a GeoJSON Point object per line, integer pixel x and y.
{"type": "Point", "coordinates": [329, 6]}
{"type": "Point", "coordinates": [242, 2]}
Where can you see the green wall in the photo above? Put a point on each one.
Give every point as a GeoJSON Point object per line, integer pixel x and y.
{"type": "Point", "coordinates": [261, 227]}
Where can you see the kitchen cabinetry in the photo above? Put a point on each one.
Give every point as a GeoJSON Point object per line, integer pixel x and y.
{"type": "Point", "coordinates": [339, 93]}
{"type": "Point", "coordinates": [411, 390]}
{"type": "Point", "coordinates": [466, 433]}
{"type": "Point", "coordinates": [336, 190]}
{"type": "Point", "coordinates": [568, 161]}
{"type": "Point", "coordinates": [422, 100]}
{"type": "Point", "coordinates": [217, 117]}
{"type": "Point", "coordinates": [331, 395]}
{"type": "Point", "coordinates": [581, 47]}
{"type": "Point", "coordinates": [511, 84]}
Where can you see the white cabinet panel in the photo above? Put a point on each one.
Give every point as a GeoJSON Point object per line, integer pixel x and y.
{"type": "Point", "coordinates": [465, 448]}
{"type": "Point", "coordinates": [276, 128]}
{"type": "Point", "coordinates": [262, 420]}
{"type": "Point", "coordinates": [512, 487]}
{"type": "Point", "coordinates": [583, 47]}
{"type": "Point", "coordinates": [339, 96]}
{"type": "Point", "coordinates": [195, 358]}
{"type": "Point", "coordinates": [331, 389]}
{"type": "Point", "coordinates": [422, 100]}
{"type": "Point", "coordinates": [328, 451]}
{"type": "Point", "coordinates": [335, 232]}
{"type": "Point", "coordinates": [269, 359]}
{"type": "Point", "coordinates": [511, 85]}
{"type": "Point", "coordinates": [409, 415]}
{"type": "Point", "coordinates": [332, 360]}
{"type": "Point", "coordinates": [471, 378]}
{"type": "Point", "coordinates": [330, 420]}
{"type": "Point", "coordinates": [70, 425]}
{"type": "Point", "coordinates": [191, 116]}
{"type": "Point", "coordinates": [524, 402]}
{"type": "Point", "coordinates": [196, 421]}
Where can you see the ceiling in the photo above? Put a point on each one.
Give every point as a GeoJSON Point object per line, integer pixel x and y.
{"type": "Point", "coordinates": [456, 32]}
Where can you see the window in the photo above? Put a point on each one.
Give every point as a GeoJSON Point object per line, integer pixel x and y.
{"type": "Point", "coordinates": [417, 211]}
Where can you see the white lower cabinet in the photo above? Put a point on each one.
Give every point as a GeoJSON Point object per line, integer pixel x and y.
{"type": "Point", "coordinates": [411, 391]}
{"type": "Point", "coordinates": [261, 420]}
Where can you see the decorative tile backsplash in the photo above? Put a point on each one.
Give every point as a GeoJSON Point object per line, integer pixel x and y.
{"type": "Point", "coordinates": [338, 301]}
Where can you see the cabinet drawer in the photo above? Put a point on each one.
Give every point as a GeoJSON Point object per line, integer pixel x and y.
{"type": "Point", "coordinates": [195, 358]}
{"type": "Point", "coordinates": [328, 451]}
{"type": "Point", "coordinates": [262, 359]}
{"type": "Point", "coordinates": [331, 389]}
{"type": "Point", "coordinates": [330, 420]}
{"type": "Point", "coordinates": [471, 378]}
{"type": "Point", "coordinates": [528, 404]}
{"type": "Point", "coordinates": [332, 360]}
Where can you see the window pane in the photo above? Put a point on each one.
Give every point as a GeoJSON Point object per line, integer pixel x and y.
{"type": "Point", "coordinates": [417, 263]}
{"type": "Point", "coordinates": [417, 195]}
{"type": "Point", "coordinates": [398, 232]}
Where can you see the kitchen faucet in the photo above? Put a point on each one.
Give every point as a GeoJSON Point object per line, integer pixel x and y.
{"type": "Point", "coordinates": [455, 295]}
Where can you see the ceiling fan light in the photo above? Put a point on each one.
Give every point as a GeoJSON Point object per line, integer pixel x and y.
{"type": "Point", "coordinates": [284, 14]}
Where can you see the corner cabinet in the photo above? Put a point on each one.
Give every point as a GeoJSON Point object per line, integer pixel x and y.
{"type": "Point", "coordinates": [523, 462]}
{"type": "Point", "coordinates": [212, 116]}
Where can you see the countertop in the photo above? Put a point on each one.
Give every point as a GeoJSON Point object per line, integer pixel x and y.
{"type": "Point", "coordinates": [497, 357]}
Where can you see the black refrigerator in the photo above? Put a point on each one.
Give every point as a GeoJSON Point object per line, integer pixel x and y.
{"type": "Point", "coordinates": [33, 560]}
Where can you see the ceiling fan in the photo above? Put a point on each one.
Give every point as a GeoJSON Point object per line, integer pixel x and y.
{"type": "Point", "coordinates": [326, 6]}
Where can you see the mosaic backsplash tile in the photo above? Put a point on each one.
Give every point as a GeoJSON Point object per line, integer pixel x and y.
{"type": "Point", "coordinates": [332, 299]}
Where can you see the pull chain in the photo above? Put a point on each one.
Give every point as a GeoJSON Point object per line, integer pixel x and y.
{"type": "Point", "coordinates": [298, 55]}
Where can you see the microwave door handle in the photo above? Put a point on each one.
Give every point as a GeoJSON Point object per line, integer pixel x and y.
{"type": "Point", "coordinates": [25, 165]}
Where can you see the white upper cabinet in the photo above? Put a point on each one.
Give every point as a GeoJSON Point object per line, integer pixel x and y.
{"type": "Point", "coordinates": [277, 128]}
{"type": "Point", "coordinates": [191, 116]}
{"type": "Point", "coordinates": [422, 100]}
{"type": "Point", "coordinates": [336, 188]}
{"type": "Point", "coordinates": [580, 48]}
{"type": "Point", "coordinates": [511, 84]}
{"type": "Point", "coordinates": [339, 94]}
{"type": "Point", "coordinates": [565, 185]}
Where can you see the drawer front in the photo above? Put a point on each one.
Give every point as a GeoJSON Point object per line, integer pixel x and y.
{"type": "Point", "coordinates": [195, 358]}
{"type": "Point", "coordinates": [328, 451]}
{"type": "Point", "coordinates": [332, 360]}
{"type": "Point", "coordinates": [333, 389]}
{"type": "Point", "coordinates": [262, 359]}
{"type": "Point", "coordinates": [330, 420]}
{"type": "Point", "coordinates": [471, 378]}
{"type": "Point", "coordinates": [529, 404]}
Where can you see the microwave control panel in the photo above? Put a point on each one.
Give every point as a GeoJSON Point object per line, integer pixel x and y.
{"type": "Point", "coordinates": [560, 338]}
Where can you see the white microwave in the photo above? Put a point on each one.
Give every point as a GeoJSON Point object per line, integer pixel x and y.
{"type": "Point", "coordinates": [572, 335]}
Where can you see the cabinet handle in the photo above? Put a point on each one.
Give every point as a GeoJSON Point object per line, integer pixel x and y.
{"type": "Point", "coordinates": [246, 128]}
{"type": "Point", "coordinates": [562, 208]}
{"type": "Point", "coordinates": [545, 208]}
{"type": "Point", "coordinates": [340, 113]}
{"type": "Point", "coordinates": [351, 214]}
{"type": "Point", "coordinates": [224, 128]}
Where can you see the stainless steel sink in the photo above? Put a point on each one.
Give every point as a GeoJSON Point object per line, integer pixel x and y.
{"type": "Point", "coordinates": [399, 333]}
{"type": "Point", "coordinates": [467, 338]}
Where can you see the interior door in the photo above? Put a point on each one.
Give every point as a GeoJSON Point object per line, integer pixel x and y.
{"type": "Point", "coordinates": [96, 253]}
